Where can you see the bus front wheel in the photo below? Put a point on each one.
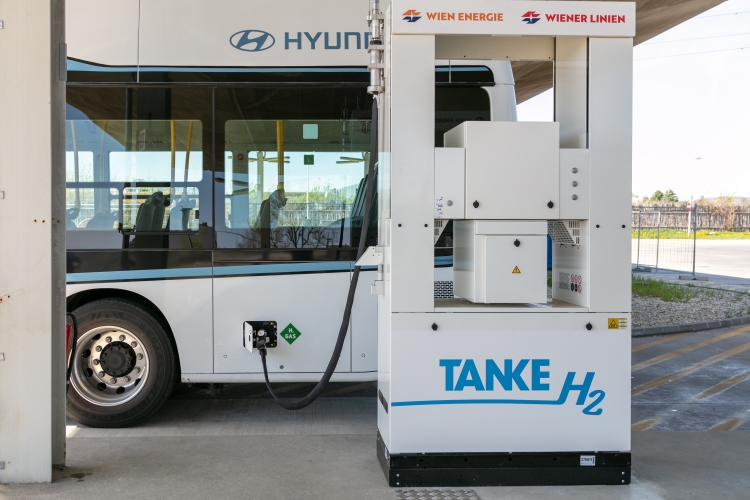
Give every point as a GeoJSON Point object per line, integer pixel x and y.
{"type": "Point", "coordinates": [124, 367]}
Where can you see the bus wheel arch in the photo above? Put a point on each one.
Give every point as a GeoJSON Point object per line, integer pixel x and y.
{"type": "Point", "coordinates": [126, 363]}
{"type": "Point", "coordinates": [78, 299]}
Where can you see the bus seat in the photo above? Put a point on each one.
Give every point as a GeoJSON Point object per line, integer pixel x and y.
{"type": "Point", "coordinates": [102, 220]}
{"type": "Point", "coordinates": [181, 210]}
{"type": "Point", "coordinates": [268, 216]}
{"type": "Point", "coordinates": [71, 214]}
{"type": "Point", "coordinates": [150, 217]}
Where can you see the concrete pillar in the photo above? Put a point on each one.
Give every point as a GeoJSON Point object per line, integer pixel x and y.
{"type": "Point", "coordinates": [32, 239]}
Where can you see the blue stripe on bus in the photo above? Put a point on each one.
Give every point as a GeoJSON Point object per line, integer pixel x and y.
{"type": "Point", "coordinates": [253, 270]}
{"type": "Point", "coordinates": [147, 274]}
{"type": "Point", "coordinates": [298, 267]}
{"type": "Point", "coordinates": [443, 260]}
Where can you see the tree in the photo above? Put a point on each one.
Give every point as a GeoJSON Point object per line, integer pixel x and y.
{"type": "Point", "coordinates": [671, 196]}
{"type": "Point", "coordinates": [668, 196]}
{"type": "Point", "coordinates": [657, 196]}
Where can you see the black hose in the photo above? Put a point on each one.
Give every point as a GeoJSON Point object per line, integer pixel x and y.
{"type": "Point", "coordinates": [318, 389]}
{"type": "Point", "coordinates": [73, 345]}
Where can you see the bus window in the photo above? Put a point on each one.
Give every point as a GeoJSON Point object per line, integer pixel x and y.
{"type": "Point", "coordinates": [455, 105]}
{"type": "Point", "coordinates": [311, 199]}
{"type": "Point", "coordinates": [136, 183]}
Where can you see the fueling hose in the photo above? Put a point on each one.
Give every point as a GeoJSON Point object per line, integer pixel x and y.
{"type": "Point", "coordinates": [321, 385]}
{"type": "Point", "coordinates": [73, 345]}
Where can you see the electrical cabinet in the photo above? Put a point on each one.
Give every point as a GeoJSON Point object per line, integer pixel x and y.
{"type": "Point", "coordinates": [497, 262]}
{"type": "Point", "coordinates": [512, 168]}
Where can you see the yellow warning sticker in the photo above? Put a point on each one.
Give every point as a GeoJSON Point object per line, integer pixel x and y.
{"type": "Point", "coordinates": [516, 270]}
{"type": "Point", "coordinates": [617, 323]}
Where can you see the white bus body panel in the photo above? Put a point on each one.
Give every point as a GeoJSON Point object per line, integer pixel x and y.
{"type": "Point", "coordinates": [186, 305]}
{"type": "Point", "coordinates": [102, 32]}
{"type": "Point", "coordinates": [313, 303]}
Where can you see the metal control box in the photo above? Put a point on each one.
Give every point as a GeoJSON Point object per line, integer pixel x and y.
{"type": "Point", "coordinates": [500, 262]}
{"type": "Point", "coordinates": [512, 168]}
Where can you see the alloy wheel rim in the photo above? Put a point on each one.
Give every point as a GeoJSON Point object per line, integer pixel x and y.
{"type": "Point", "coordinates": [111, 366]}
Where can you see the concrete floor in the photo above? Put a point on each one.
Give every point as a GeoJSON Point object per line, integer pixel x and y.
{"type": "Point", "coordinates": [240, 444]}
{"type": "Point", "coordinates": [667, 465]}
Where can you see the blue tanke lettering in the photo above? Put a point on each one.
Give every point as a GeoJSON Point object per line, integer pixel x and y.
{"type": "Point", "coordinates": [469, 377]}
{"type": "Point", "coordinates": [510, 375]}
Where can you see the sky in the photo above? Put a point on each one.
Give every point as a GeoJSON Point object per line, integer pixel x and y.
{"type": "Point", "coordinates": [691, 99]}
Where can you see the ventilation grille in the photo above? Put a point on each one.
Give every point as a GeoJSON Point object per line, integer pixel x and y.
{"type": "Point", "coordinates": [565, 232]}
{"type": "Point", "coordinates": [574, 228]}
{"type": "Point", "coordinates": [443, 289]}
{"type": "Point", "coordinates": [436, 495]}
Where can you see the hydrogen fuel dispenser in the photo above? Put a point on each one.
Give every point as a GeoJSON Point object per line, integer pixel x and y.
{"type": "Point", "coordinates": [500, 384]}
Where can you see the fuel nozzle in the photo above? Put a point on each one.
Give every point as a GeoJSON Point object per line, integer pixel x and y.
{"type": "Point", "coordinates": [259, 335]}
{"type": "Point", "coordinates": [260, 339]}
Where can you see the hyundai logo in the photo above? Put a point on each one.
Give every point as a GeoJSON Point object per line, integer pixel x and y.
{"type": "Point", "coordinates": [252, 40]}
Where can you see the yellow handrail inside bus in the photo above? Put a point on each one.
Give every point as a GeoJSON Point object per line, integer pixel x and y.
{"type": "Point", "coordinates": [171, 141]}
{"type": "Point", "coordinates": [102, 205]}
{"type": "Point", "coordinates": [280, 154]}
{"type": "Point", "coordinates": [187, 157]}
{"type": "Point", "coordinates": [75, 163]}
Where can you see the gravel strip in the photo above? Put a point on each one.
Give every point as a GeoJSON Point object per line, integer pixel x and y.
{"type": "Point", "coordinates": [709, 305]}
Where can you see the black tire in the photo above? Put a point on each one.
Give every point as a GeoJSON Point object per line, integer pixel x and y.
{"type": "Point", "coordinates": [154, 387]}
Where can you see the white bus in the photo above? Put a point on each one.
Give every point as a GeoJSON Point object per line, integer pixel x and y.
{"type": "Point", "coordinates": [216, 153]}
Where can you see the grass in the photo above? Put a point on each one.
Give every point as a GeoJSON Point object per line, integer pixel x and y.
{"type": "Point", "coordinates": [665, 291]}
{"type": "Point", "coordinates": [681, 234]}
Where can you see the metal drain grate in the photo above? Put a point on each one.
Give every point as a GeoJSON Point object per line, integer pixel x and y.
{"type": "Point", "coordinates": [437, 495]}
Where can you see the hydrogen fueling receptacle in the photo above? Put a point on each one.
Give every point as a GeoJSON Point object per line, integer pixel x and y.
{"type": "Point", "coordinates": [499, 385]}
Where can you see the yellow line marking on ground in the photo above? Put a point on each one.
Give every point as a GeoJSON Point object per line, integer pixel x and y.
{"type": "Point", "coordinates": [646, 345]}
{"type": "Point", "coordinates": [644, 425]}
{"type": "Point", "coordinates": [728, 425]}
{"type": "Point", "coordinates": [689, 348]}
{"type": "Point", "coordinates": [723, 386]}
{"type": "Point", "coordinates": [687, 371]}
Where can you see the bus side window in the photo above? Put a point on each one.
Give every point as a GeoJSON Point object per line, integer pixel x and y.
{"type": "Point", "coordinates": [137, 166]}
{"type": "Point", "coordinates": [293, 184]}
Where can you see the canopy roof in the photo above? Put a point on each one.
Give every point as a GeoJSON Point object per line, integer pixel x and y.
{"type": "Point", "coordinates": [653, 17]}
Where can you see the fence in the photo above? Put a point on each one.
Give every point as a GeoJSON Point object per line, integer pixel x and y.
{"type": "Point", "coordinates": [651, 250]}
{"type": "Point", "coordinates": [709, 218]}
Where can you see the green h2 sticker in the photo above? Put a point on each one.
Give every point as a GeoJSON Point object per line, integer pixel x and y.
{"type": "Point", "coordinates": [290, 333]}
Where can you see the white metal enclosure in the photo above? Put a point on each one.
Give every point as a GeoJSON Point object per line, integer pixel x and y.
{"type": "Point", "coordinates": [476, 374]}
